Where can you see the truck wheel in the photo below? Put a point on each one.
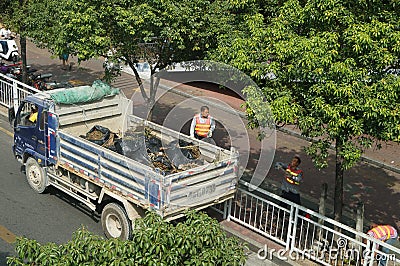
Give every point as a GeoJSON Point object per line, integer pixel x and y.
{"type": "Point", "coordinates": [35, 175]}
{"type": "Point", "coordinates": [115, 222]}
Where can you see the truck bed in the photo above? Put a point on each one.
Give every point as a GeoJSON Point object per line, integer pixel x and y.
{"type": "Point", "coordinates": [169, 195]}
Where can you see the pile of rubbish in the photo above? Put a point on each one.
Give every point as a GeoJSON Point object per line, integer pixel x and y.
{"type": "Point", "coordinates": [145, 147]}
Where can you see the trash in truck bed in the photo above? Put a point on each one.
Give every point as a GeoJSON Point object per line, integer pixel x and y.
{"type": "Point", "coordinates": [145, 147]}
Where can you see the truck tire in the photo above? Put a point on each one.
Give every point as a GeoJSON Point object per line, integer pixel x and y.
{"type": "Point", "coordinates": [115, 222]}
{"type": "Point", "coordinates": [35, 175]}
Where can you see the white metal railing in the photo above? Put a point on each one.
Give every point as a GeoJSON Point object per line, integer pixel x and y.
{"type": "Point", "coordinates": [12, 91]}
{"type": "Point", "coordinates": [312, 236]}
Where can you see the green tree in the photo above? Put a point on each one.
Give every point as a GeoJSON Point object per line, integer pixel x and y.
{"type": "Point", "coordinates": [198, 240]}
{"type": "Point", "coordinates": [157, 32]}
{"type": "Point", "coordinates": [14, 13]}
{"type": "Point", "coordinates": [331, 62]}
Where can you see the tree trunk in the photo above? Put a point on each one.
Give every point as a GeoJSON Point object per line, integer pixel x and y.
{"type": "Point", "coordinates": [22, 43]}
{"type": "Point", "coordinates": [154, 81]}
{"type": "Point", "coordinates": [139, 80]}
{"type": "Point", "coordinates": [338, 198]}
{"type": "Point", "coordinates": [149, 99]}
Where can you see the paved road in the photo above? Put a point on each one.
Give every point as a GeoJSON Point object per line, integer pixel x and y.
{"type": "Point", "coordinates": [49, 217]}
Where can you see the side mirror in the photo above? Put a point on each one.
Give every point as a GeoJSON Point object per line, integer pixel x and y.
{"type": "Point", "coordinates": [11, 116]}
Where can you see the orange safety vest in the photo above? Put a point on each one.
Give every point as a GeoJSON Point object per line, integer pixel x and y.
{"type": "Point", "coordinates": [292, 172]}
{"type": "Point", "coordinates": [383, 232]}
{"type": "Point", "coordinates": [202, 129]}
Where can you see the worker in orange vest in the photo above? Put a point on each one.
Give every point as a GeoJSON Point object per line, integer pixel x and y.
{"type": "Point", "coordinates": [203, 124]}
{"type": "Point", "coordinates": [291, 180]}
{"type": "Point", "coordinates": [385, 233]}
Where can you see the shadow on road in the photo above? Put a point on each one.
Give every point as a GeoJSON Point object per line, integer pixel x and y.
{"type": "Point", "coordinates": [78, 74]}
{"type": "Point", "coordinates": [3, 257]}
{"type": "Point", "coordinates": [73, 202]}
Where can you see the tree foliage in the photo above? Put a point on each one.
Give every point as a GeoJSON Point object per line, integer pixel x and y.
{"type": "Point", "coordinates": [326, 66]}
{"type": "Point", "coordinates": [157, 32]}
{"type": "Point", "coordinates": [198, 240]}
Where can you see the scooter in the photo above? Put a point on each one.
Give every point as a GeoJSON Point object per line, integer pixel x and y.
{"type": "Point", "coordinates": [14, 70]}
{"type": "Point", "coordinates": [39, 81]}
{"type": "Point", "coordinates": [42, 82]}
{"type": "Point", "coordinates": [9, 50]}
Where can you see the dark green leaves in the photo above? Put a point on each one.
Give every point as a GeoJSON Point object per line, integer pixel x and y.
{"type": "Point", "coordinates": [198, 240]}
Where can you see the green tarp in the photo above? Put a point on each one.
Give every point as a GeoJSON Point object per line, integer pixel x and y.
{"type": "Point", "coordinates": [84, 94]}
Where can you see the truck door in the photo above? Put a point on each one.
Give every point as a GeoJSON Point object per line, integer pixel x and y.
{"type": "Point", "coordinates": [27, 134]}
{"type": "Point", "coordinates": [51, 127]}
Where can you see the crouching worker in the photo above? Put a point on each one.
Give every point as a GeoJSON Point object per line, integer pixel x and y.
{"type": "Point", "coordinates": [387, 234]}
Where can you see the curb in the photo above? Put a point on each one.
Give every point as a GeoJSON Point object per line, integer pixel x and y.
{"type": "Point", "coordinates": [254, 248]}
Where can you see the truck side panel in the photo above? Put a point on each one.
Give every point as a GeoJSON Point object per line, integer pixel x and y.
{"type": "Point", "coordinates": [202, 188]}
{"type": "Point", "coordinates": [106, 168]}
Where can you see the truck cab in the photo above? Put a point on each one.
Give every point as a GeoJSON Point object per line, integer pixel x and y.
{"type": "Point", "coordinates": [30, 129]}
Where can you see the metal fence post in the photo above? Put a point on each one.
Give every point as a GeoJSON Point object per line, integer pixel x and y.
{"type": "Point", "coordinates": [227, 209]}
{"type": "Point", "coordinates": [322, 203]}
{"type": "Point", "coordinates": [15, 97]}
{"type": "Point", "coordinates": [359, 220]}
{"type": "Point", "coordinates": [290, 226]}
{"type": "Point", "coordinates": [294, 230]}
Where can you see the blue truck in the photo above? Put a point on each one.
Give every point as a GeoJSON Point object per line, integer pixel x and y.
{"type": "Point", "coordinates": [48, 143]}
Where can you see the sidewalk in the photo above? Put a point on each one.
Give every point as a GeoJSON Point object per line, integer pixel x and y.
{"type": "Point", "coordinates": [257, 245]}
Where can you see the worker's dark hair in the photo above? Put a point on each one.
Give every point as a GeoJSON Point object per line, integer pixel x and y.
{"type": "Point", "coordinates": [204, 107]}
{"type": "Point", "coordinates": [298, 159]}
{"type": "Point", "coordinates": [372, 225]}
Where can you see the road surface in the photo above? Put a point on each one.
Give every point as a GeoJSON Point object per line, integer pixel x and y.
{"type": "Point", "coordinates": [48, 217]}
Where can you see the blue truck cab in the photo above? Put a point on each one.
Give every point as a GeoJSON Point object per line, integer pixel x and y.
{"type": "Point", "coordinates": [31, 130]}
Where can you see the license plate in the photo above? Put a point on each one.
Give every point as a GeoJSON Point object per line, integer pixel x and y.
{"type": "Point", "coordinates": [202, 192]}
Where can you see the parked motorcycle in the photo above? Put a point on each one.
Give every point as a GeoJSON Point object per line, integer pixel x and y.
{"type": "Point", "coordinates": [8, 68]}
{"type": "Point", "coordinates": [42, 82]}
{"type": "Point", "coordinates": [39, 81]}
{"type": "Point", "coordinates": [15, 71]}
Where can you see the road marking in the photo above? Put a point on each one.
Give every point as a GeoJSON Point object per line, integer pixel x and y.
{"type": "Point", "coordinates": [7, 132]}
{"type": "Point", "coordinates": [7, 235]}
